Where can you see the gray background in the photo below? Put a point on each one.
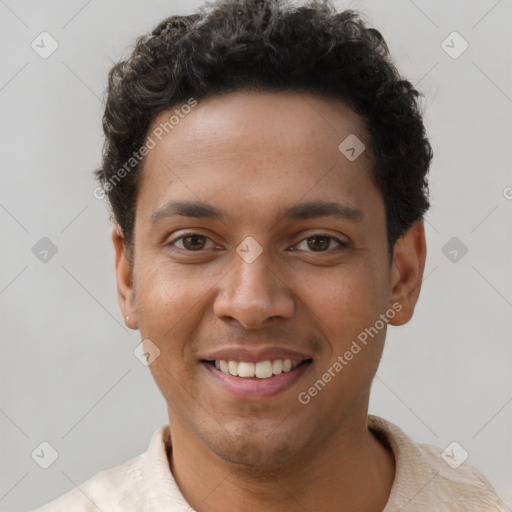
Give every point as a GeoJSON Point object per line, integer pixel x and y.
{"type": "Point", "coordinates": [68, 374]}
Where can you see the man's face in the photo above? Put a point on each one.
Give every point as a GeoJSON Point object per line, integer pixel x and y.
{"type": "Point", "coordinates": [306, 296]}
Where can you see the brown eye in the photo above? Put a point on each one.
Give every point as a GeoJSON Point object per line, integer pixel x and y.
{"type": "Point", "coordinates": [319, 243]}
{"type": "Point", "coordinates": [193, 242]}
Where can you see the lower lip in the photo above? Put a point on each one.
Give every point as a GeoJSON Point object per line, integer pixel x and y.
{"type": "Point", "coordinates": [242, 387]}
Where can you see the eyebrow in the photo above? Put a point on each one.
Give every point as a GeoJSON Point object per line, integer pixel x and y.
{"type": "Point", "coordinates": [301, 211]}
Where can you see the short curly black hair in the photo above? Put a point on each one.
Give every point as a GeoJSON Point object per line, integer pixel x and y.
{"type": "Point", "coordinates": [268, 45]}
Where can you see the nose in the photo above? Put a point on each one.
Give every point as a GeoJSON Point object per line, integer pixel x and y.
{"type": "Point", "coordinates": [253, 294]}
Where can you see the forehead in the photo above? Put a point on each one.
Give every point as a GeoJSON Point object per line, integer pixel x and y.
{"type": "Point", "coordinates": [300, 120]}
{"type": "Point", "coordinates": [256, 148]}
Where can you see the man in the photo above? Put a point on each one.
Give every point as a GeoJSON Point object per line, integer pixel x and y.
{"type": "Point", "coordinates": [266, 167]}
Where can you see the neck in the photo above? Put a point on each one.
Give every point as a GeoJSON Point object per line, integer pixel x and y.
{"type": "Point", "coordinates": [351, 470]}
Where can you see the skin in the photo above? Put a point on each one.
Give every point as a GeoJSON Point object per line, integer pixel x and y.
{"type": "Point", "coordinates": [253, 155]}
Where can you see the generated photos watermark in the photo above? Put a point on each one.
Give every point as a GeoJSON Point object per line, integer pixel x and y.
{"type": "Point", "coordinates": [304, 397]}
{"type": "Point", "coordinates": [150, 143]}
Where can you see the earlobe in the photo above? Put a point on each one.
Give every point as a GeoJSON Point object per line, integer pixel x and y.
{"type": "Point", "coordinates": [407, 272]}
{"type": "Point", "coordinates": [124, 277]}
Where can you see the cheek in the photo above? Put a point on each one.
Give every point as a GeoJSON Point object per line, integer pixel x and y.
{"type": "Point", "coordinates": [170, 303]}
{"type": "Point", "coordinates": [345, 306]}
{"type": "Point", "coordinates": [160, 302]}
{"type": "Point", "coordinates": [163, 288]}
{"type": "Point", "coordinates": [346, 300]}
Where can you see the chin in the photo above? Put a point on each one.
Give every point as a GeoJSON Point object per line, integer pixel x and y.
{"type": "Point", "coordinates": [255, 451]}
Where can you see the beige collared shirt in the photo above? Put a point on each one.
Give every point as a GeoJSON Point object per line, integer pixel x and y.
{"type": "Point", "coordinates": [423, 481]}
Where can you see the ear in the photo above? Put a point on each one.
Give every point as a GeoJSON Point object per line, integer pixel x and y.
{"type": "Point", "coordinates": [124, 276]}
{"type": "Point", "coordinates": [407, 272]}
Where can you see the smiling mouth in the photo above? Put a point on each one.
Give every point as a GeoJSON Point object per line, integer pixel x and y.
{"type": "Point", "coordinates": [260, 370]}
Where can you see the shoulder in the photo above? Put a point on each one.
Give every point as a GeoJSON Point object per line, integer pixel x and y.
{"type": "Point", "coordinates": [462, 486]}
{"type": "Point", "coordinates": [430, 478]}
{"type": "Point", "coordinates": [126, 487]}
{"type": "Point", "coordinates": [114, 489]}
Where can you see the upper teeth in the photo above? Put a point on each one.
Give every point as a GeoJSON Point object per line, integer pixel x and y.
{"type": "Point", "coordinates": [261, 370]}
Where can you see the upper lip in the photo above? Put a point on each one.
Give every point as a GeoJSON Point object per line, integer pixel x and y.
{"type": "Point", "coordinates": [253, 355]}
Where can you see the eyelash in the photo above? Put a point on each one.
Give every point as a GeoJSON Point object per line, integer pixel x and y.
{"type": "Point", "coordinates": [341, 244]}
